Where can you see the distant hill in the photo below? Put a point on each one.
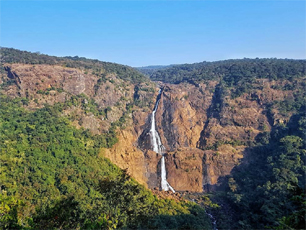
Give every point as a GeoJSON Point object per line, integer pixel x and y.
{"type": "Point", "coordinates": [231, 71]}
{"type": "Point", "coordinates": [153, 67]}
{"type": "Point", "coordinates": [148, 70]}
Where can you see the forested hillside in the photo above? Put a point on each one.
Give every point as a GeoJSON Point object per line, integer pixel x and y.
{"type": "Point", "coordinates": [149, 70]}
{"type": "Point", "coordinates": [239, 74]}
{"type": "Point", "coordinates": [76, 151]}
{"type": "Point", "coordinates": [53, 172]}
{"type": "Point", "coordinates": [232, 71]}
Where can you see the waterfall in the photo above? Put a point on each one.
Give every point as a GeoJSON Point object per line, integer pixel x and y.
{"type": "Point", "coordinates": [159, 148]}
{"type": "Point", "coordinates": [164, 183]}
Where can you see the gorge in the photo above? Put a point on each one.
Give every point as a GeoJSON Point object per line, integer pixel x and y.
{"type": "Point", "coordinates": [229, 132]}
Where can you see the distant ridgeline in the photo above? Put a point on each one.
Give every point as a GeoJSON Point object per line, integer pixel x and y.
{"type": "Point", "coordinates": [10, 55]}
{"type": "Point", "coordinates": [149, 70]}
{"type": "Point", "coordinates": [232, 72]}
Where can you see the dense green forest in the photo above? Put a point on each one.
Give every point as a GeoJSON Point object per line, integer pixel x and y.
{"type": "Point", "coordinates": [52, 177]}
{"type": "Point", "coordinates": [231, 71]}
{"type": "Point", "coordinates": [10, 55]}
{"type": "Point", "coordinates": [238, 75]}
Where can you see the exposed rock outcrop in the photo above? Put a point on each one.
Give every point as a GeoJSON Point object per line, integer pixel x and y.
{"type": "Point", "coordinates": [206, 131]}
{"type": "Point", "coordinates": [91, 103]}
{"type": "Point", "coordinates": [127, 156]}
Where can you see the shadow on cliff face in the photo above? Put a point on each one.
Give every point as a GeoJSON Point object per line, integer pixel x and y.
{"type": "Point", "coordinates": [144, 140]}
{"type": "Point", "coordinates": [222, 181]}
{"type": "Point", "coordinates": [253, 156]}
{"type": "Point", "coordinates": [265, 185]}
{"type": "Point", "coordinates": [212, 112]}
{"type": "Point", "coordinates": [254, 162]}
{"type": "Point", "coordinates": [250, 166]}
{"type": "Point", "coordinates": [168, 128]}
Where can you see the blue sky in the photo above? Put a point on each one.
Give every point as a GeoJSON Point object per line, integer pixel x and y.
{"type": "Point", "coordinates": [140, 33]}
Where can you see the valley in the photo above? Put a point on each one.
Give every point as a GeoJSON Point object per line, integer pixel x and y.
{"type": "Point", "coordinates": [228, 134]}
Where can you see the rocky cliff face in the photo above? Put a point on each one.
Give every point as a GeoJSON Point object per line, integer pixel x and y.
{"type": "Point", "coordinates": [128, 156]}
{"type": "Point", "coordinates": [91, 102]}
{"type": "Point", "coordinates": [205, 130]}
{"type": "Point", "coordinates": [182, 116]}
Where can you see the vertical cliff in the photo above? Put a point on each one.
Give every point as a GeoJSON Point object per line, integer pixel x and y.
{"type": "Point", "coordinates": [206, 130]}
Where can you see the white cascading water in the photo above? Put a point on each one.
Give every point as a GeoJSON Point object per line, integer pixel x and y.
{"type": "Point", "coordinates": [213, 220]}
{"type": "Point", "coordinates": [159, 148]}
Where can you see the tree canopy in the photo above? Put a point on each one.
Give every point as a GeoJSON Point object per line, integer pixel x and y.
{"type": "Point", "coordinates": [231, 71]}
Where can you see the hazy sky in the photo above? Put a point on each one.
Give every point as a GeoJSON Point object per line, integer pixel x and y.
{"type": "Point", "coordinates": [140, 33]}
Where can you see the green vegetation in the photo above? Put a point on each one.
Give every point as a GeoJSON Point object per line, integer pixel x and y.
{"type": "Point", "coordinates": [52, 177]}
{"type": "Point", "coordinates": [238, 75]}
{"type": "Point", "coordinates": [266, 190]}
{"type": "Point", "coordinates": [149, 70]}
{"type": "Point", "coordinates": [47, 91]}
{"type": "Point", "coordinates": [291, 104]}
{"type": "Point", "coordinates": [142, 101]}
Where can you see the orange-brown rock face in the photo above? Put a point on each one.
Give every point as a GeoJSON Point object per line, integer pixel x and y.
{"type": "Point", "coordinates": [219, 164]}
{"type": "Point", "coordinates": [185, 169]}
{"type": "Point", "coordinates": [127, 156]}
{"type": "Point", "coordinates": [31, 78]}
{"type": "Point", "coordinates": [197, 170]}
{"type": "Point", "coordinates": [50, 84]}
{"type": "Point", "coordinates": [181, 114]}
{"type": "Point", "coordinates": [191, 119]}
